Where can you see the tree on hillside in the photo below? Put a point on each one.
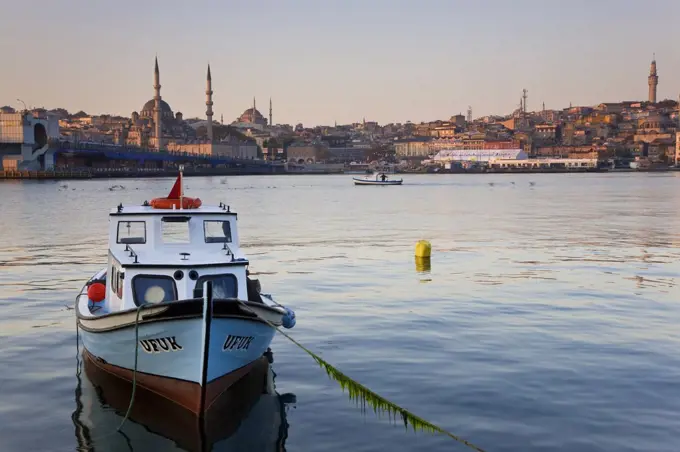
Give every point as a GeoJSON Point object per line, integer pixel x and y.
{"type": "Point", "coordinates": [61, 111]}
{"type": "Point", "coordinates": [668, 103]}
{"type": "Point", "coordinates": [221, 132]}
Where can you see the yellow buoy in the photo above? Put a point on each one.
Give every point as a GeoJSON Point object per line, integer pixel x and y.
{"type": "Point", "coordinates": [423, 248]}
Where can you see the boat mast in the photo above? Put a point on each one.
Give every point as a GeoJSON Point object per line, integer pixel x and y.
{"type": "Point", "coordinates": [181, 186]}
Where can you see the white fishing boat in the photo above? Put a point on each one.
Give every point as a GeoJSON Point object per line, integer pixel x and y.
{"type": "Point", "coordinates": [376, 179]}
{"type": "Point", "coordinates": [174, 308]}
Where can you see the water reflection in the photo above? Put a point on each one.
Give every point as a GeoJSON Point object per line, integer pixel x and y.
{"type": "Point", "coordinates": [423, 268]}
{"type": "Point", "coordinates": [251, 415]}
{"type": "Point", "coordinates": [423, 264]}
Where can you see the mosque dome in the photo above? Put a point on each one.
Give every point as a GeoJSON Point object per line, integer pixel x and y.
{"type": "Point", "coordinates": [252, 115]}
{"type": "Point", "coordinates": [147, 110]}
{"type": "Point", "coordinates": [655, 122]}
{"type": "Point", "coordinates": [249, 113]}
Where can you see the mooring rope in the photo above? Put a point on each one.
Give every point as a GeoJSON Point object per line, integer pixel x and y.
{"type": "Point", "coordinates": [134, 380]}
{"type": "Point", "coordinates": [391, 407]}
{"type": "Point", "coordinates": [134, 370]}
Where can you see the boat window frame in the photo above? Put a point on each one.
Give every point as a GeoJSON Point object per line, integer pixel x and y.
{"type": "Point", "coordinates": [201, 280]}
{"type": "Point", "coordinates": [205, 232]}
{"type": "Point", "coordinates": [169, 219]}
{"type": "Point", "coordinates": [156, 276]}
{"type": "Point", "coordinates": [118, 239]}
{"type": "Point", "coordinates": [116, 277]}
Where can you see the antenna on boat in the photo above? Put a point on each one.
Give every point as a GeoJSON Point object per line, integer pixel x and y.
{"type": "Point", "coordinates": [181, 186]}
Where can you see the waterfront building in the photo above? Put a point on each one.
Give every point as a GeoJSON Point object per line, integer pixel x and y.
{"type": "Point", "coordinates": [346, 154]}
{"type": "Point", "coordinates": [499, 144]}
{"type": "Point", "coordinates": [545, 163]}
{"type": "Point", "coordinates": [547, 132]}
{"type": "Point", "coordinates": [654, 127]}
{"type": "Point", "coordinates": [413, 147]}
{"type": "Point", "coordinates": [307, 153]}
{"type": "Point", "coordinates": [439, 144]}
{"type": "Point", "coordinates": [445, 130]}
{"type": "Point", "coordinates": [478, 155]}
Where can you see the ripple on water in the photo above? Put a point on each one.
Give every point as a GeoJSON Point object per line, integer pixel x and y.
{"type": "Point", "coordinates": [543, 325]}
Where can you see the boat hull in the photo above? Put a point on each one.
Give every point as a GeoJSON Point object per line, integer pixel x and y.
{"type": "Point", "coordinates": [190, 360]}
{"type": "Point", "coordinates": [187, 395]}
{"type": "Point", "coordinates": [376, 182]}
{"type": "Point", "coordinates": [227, 419]}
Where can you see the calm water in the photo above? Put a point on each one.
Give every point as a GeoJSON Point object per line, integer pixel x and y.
{"type": "Point", "coordinates": [549, 319]}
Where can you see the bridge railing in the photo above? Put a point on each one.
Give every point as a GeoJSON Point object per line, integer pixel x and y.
{"type": "Point", "coordinates": [46, 174]}
{"type": "Point", "coordinates": [121, 150]}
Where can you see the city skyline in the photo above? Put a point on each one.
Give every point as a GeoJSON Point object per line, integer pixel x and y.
{"type": "Point", "coordinates": [322, 63]}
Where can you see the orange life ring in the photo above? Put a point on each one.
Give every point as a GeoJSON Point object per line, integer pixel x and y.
{"type": "Point", "coordinates": [166, 203]}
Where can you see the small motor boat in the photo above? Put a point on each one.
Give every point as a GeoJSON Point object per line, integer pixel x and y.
{"type": "Point", "coordinates": [174, 308]}
{"type": "Point", "coordinates": [376, 179]}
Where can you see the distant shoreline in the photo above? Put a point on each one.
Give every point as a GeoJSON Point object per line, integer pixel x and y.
{"type": "Point", "coordinates": [72, 175]}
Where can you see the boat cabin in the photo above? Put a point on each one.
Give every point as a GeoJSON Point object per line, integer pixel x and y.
{"type": "Point", "coordinates": [163, 255]}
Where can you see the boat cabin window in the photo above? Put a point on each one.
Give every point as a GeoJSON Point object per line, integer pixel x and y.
{"type": "Point", "coordinates": [217, 231]}
{"type": "Point", "coordinates": [117, 281]}
{"type": "Point", "coordinates": [153, 289]}
{"type": "Point", "coordinates": [224, 286]}
{"type": "Point", "coordinates": [131, 232]}
{"type": "Point", "coordinates": [175, 229]}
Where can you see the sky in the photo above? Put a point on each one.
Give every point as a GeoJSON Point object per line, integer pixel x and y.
{"type": "Point", "coordinates": [323, 61]}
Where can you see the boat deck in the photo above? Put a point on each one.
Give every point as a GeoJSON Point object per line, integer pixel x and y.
{"type": "Point", "coordinates": [148, 210]}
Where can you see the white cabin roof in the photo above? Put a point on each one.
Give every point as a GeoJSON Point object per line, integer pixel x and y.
{"type": "Point", "coordinates": [143, 236]}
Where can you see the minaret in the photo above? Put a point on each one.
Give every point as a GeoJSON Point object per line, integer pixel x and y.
{"type": "Point", "coordinates": [222, 118]}
{"type": "Point", "coordinates": [271, 123]}
{"type": "Point", "coordinates": [157, 107]}
{"type": "Point", "coordinates": [653, 81]}
{"type": "Point", "coordinates": [677, 137]}
{"type": "Point", "coordinates": [209, 104]}
{"type": "Point", "coordinates": [253, 118]}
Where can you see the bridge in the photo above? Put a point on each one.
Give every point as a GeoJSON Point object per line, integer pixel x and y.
{"type": "Point", "coordinates": [24, 139]}
{"type": "Point", "coordinates": [93, 152]}
{"type": "Point", "coordinates": [33, 143]}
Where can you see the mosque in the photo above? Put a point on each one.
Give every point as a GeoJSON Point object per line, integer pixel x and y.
{"type": "Point", "coordinates": [157, 127]}
{"type": "Point", "coordinates": [142, 131]}
{"type": "Point", "coordinates": [253, 119]}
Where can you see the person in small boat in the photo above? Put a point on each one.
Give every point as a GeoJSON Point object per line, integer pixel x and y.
{"type": "Point", "coordinates": [383, 177]}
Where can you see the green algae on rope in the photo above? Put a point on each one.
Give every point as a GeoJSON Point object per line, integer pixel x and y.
{"type": "Point", "coordinates": [361, 394]}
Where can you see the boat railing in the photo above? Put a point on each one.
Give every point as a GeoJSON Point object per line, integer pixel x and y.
{"type": "Point", "coordinates": [132, 253]}
{"type": "Point", "coordinates": [228, 250]}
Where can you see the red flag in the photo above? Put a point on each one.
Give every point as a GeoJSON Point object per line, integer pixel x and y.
{"type": "Point", "coordinates": [176, 189]}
